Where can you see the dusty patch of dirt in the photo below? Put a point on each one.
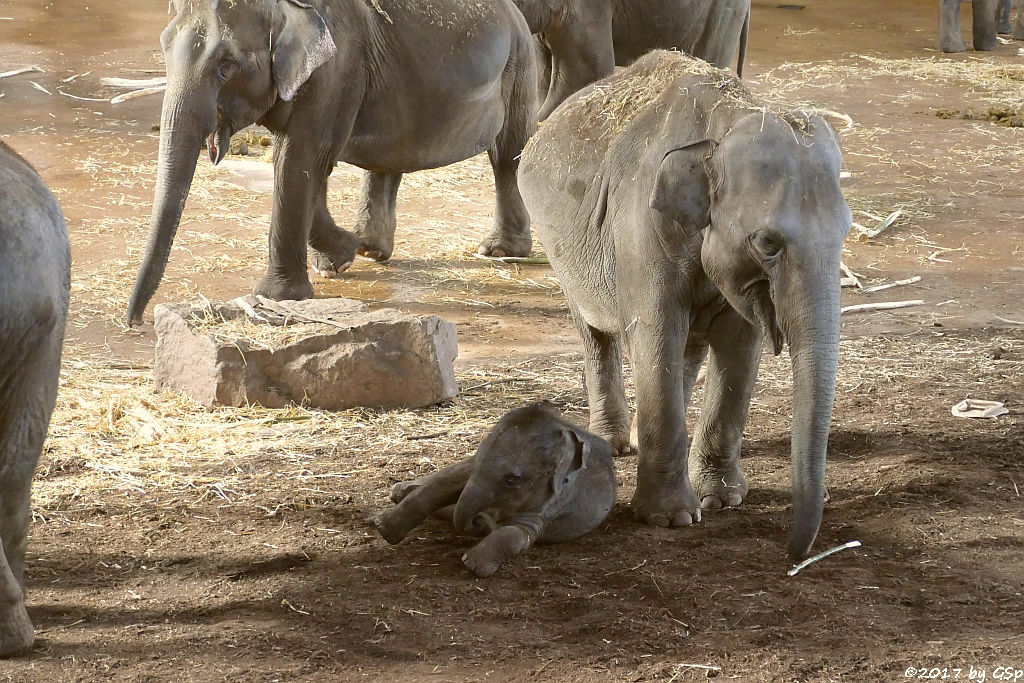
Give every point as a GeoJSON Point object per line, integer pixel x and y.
{"type": "Point", "coordinates": [175, 543]}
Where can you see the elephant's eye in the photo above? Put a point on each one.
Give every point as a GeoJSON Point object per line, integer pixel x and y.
{"type": "Point", "coordinates": [227, 69]}
{"type": "Point", "coordinates": [767, 244]}
{"type": "Point", "coordinates": [513, 481]}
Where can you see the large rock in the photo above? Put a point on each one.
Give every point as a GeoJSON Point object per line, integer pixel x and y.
{"type": "Point", "coordinates": [323, 353]}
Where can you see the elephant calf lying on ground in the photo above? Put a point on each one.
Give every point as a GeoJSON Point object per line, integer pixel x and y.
{"type": "Point", "coordinates": [680, 213]}
{"type": "Point", "coordinates": [35, 278]}
{"type": "Point", "coordinates": [534, 478]}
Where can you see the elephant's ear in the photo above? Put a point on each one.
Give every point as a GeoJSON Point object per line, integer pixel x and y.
{"type": "Point", "coordinates": [572, 462]}
{"type": "Point", "coordinates": [682, 187]}
{"type": "Point", "coordinates": [302, 46]}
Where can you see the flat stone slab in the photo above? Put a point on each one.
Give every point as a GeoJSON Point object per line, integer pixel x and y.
{"type": "Point", "coordinates": [321, 353]}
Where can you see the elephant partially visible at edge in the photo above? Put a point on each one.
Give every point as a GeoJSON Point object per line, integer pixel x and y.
{"type": "Point", "coordinates": [581, 41]}
{"type": "Point", "coordinates": [35, 280]}
{"type": "Point", "coordinates": [989, 17]}
{"type": "Point", "coordinates": [534, 478]}
{"type": "Point", "coordinates": [391, 86]}
{"type": "Point", "coordinates": [695, 219]}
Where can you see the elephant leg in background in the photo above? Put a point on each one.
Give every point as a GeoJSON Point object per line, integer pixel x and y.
{"type": "Point", "coordinates": [732, 372]}
{"type": "Point", "coordinates": [421, 498]}
{"type": "Point", "coordinates": [15, 626]}
{"type": "Point", "coordinates": [510, 235]}
{"type": "Point", "coordinates": [663, 494]}
{"type": "Point", "coordinates": [543, 57]}
{"type": "Point", "coordinates": [580, 54]}
{"type": "Point", "coordinates": [376, 219]}
{"type": "Point", "coordinates": [606, 392]}
{"type": "Point", "coordinates": [334, 249]}
{"type": "Point", "coordinates": [983, 27]}
{"type": "Point", "coordinates": [1003, 16]}
{"type": "Point", "coordinates": [1018, 24]}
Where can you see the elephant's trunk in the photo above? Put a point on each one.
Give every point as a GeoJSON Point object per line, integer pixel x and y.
{"type": "Point", "coordinates": [182, 130]}
{"type": "Point", "coordinates": [470, 511]}
{"type": "Point", "coordinates": [810, 320]}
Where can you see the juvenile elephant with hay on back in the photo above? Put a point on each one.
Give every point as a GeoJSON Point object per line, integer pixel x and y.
{"type": "Point", "coordinates": [683, 215]}
{"type": "Point", "coordinates": [534, 478]}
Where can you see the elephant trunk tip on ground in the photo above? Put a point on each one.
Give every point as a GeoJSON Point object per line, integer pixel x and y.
{"type": "Point", "coordinates": [534, 478]}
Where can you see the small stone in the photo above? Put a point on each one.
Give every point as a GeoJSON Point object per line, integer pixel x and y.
{"type": "Point", "coordinates": [382, 359]}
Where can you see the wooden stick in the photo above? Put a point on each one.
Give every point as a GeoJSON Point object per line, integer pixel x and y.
{"type": "Point", "coordinates": [880, 306]}
{"type": "Point", "coordinates": [879, 288]}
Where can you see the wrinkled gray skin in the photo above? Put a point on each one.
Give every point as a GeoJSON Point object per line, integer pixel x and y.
{"type": "Point", "coordinates": [989, 18]}
{"type": "Point", "coordinates": [580, 41]}
{"type": "Point", "coordinates": [703, 223]}
{"type": "Point", "coordinates": [35, 276]}
{"type": "Point", "coordinates": [410, 87]}
{"type": "Point", "coordinates": [535, 478]}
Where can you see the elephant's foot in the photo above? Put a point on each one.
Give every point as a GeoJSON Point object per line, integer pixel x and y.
{"type": "Point", "coordinates": [375, 244]}
{"type": "Point", "coordinates": [391, 526]}
{"type": "Point", "coordinates": [277, 288]}
{"type": "Point", "coordinates": [666, 504]}
{"type": "Point", "coordinates": [617, 437]}
{"type": "Point", "coordinates": [1004, 27]}
{"type": "Point", "coordinates": [500, 244]}
{"type": "Point", "coordinates": [333, 256]}
{"type": "Point", "coordinates": [1018, 31]}
{"type": "Point", "coordinates": [953, 45]}
{"type": "Point", "coordinates": [986, 45]}
{"type": "Point", "coordinates": [718, 487]}
{"type": "Point", "coordinates": [16, 633]}
{"type": "Point", "coordinates": [402, 489]}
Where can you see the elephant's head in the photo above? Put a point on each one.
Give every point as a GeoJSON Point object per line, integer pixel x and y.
{"type": "Point", "coordinates": [228, 63]}
{"type": "Point", "coordinates": [524, 468]}
{"type": "Point", "coordinates": [767, 196]}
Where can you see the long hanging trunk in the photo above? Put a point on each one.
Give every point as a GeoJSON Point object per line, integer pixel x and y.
{"type": "Point", "coordinates": [181, 139]}
{"type": "Point", "coordinates": [472, 502]}
{"type": "Point", "coordinates": [813, 335]}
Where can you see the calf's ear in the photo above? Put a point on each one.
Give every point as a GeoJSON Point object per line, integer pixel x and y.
{"type": "Point", "coordinates": [682, 186]}
{"type": "Point", "coordinates": [301, 46]}
{"type": "Point", "coordinates": [572, 460]}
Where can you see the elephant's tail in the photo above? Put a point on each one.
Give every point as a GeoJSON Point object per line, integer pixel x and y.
{"type": "Point", "coordinates": [744, 32]}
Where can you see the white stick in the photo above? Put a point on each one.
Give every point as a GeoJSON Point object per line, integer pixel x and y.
{"type": "Point", "coordinates": [136, 93]}
{"type": "Point", "coordinates": [1008, 321]}
{"type": "Point", "coordinates": [18, 72]}
{"type": "Point", "coordinates": [821, 556]}
{"type": "Point", "coordinates": [852, 275]}
{"type": "Point", "coordinates": [881, 306]}
{"type": "Point", "coordinates": [879, 288]}
{"type": "Point", "coordinates": [84, 99]}
{"type": "Point", "coordinates": [134, 82]}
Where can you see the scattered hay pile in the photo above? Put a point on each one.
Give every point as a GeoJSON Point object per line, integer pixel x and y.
{"type": "Point", "coordinates": [1001, 115]}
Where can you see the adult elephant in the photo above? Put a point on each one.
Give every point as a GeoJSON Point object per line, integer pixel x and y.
{"type": "Point", "coordinates": [581, 41]}
{"type": "Point", "coordinates": [388, 85]}
{"type": "Point", "coordinates": [695, 218]}
{"type": "Point", "coordinates": [989, 17]}
{"type": "Point", "coordinates": [35, 278]}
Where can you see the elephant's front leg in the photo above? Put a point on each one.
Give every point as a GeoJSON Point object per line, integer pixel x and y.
{"type": "Point", "coordinates": [1018, 24]}
{"type": "Point", "coordinates": [983, 26]}
{"type": "Point", "coordinates": [334, 249]}
{"type": "Point", "coordinates": [950, 36]}
{"type": "Point", "coordinates": [663, 494]}
{"type": "Point", "coordinates": [298, 176]}
{"type": "Point", "coordinates": [502, 545]}
{"type": "Point", "coordinates": [1003, 16]}
{"type": "Point", "coordinates": [376, 220]}
{"type": "Point", "coordinates": [422, 498]}
{"type": "Point", "coordinates": [732, 371]}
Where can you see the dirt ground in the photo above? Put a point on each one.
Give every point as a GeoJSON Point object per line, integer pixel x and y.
{"type": "Point", "coordinates": [174, 543]}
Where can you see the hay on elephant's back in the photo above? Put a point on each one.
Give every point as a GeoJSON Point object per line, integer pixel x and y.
{"type": "Point", "coordinates": [612, 106]}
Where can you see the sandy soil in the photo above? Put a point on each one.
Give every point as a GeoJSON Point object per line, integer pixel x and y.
{"type": "Point", "coordinates": [173, 543]}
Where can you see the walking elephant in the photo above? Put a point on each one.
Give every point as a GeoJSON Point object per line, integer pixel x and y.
{"type": "Point", "coordinates": [692, 217]}
{"type": "Point", "coordinates": [581, 41]}
{"type": "Point", "coordinates": [390, 86]}
{"type": "Point", "coordinates": [989, 17]}
{"type": "Point", "coordinates": [35, 278]}
{"type": "Point", "coordinates": [535, 478]}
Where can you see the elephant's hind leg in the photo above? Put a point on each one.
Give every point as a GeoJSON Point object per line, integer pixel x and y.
{"type": "Point", "coordinates": [983, 27]}
{"type": "Point", "coordinates": [732, 370]}
{"type": "Point", "coordinates": [1003, 16]}
{"type": "Point", "coordinates": [950, 37]}
{"type": "Point", "coordinates": [334, 249]}
{"type": "Point", "coordinates": [606, 393]}
{"type": "Point", "coordinates": [511, 233]}
{"type": "Point", "coordinates": [376, 221]}
{"type": "Point", "coordinates": [421, 498]}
